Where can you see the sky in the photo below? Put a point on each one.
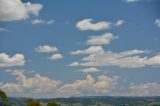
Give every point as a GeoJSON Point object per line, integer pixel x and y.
{"type": "Point", "coordinates": [59, 48]}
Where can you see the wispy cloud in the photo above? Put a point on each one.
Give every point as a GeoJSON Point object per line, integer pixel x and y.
{"type": "Point", "coordinates": [3, 30]}
{"type": "Point", "coordinates": [101, 39]}
{"type": "Point", "coordinates": [157, 22]}
{"type": "Point", "coordinates": [40, 21]}
{"type": "Point", "coordinates": [131, 1]}
{"type": "Point", "coordinates": [90, 50]}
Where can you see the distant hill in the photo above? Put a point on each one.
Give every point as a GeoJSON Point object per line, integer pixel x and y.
{"type": "Point", "coordinates": [95, 100]}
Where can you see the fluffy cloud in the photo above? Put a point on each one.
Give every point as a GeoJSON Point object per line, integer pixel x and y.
{"type": "Point", "coordinates": [102, 39]}
{"type": "Point", "coordinates": [157, 22]}
{"type": "Point", "coordinates": [7, 61]}
{"type": "Point", "coordinates": [86, 24]}
{"type": "Point", "coordinates": [90, 50]}
{"type": "Point", "coordinates": [120, 22]}
{"type": "Point", "coordinates": [34, 86]}
{"type": "Point", "coordinates": [3, 30]}
{"type": "Point", "coordinates": [17, 10]}
{"type": "Point", "coordinates": [30, 87]}
{"type": "Point", "coordinates": [46, 49]}
{"type": "Point", "coordinates": [56, 57]}
{"type": "Point", "coordinates": [90, 70]}
{"type": "Point", "coordinates": [126, 59]}
{"type": "Point", "coordinates": [90, 86]}
{"type": "Point", "coordinates": [40, 21]}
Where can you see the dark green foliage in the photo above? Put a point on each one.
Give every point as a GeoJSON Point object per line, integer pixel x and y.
{"type": "Point", "coordinates": [32, 102]}
{"type": "Point", "coordinates": [53, 104]}
{"type": "Point", "coordinates": [4, 98]}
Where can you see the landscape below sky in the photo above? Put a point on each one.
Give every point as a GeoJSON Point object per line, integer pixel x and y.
{"type": "Point", "coordinates": [55, 48]}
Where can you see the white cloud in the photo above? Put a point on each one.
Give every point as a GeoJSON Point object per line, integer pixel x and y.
{"type": "Point", "coordinates": [56, 57]}
{"type": "Point", "coordinates": [145, 89]}
{"type": "Point", "coordinates": [90, 50]}
{"type": "Point", "coordinates": [126, 59]}
{"type": "Point", "coordinates": [74, 64]}
{"type": "Point", "coordinates": [37, 21]}
{"type": "Point", "coordinates": [34, 86]}
{"type": "Point", "coordinates": [90, 70]}
{"type": "Point", "coordinates": [131, 1]}
{"type": "Point", "coordinates": [7, 61]}
{"type": "Point", "coordinates": [120, 22]}
{"type": "Point", "coordinates": [30, 87]}
{"type": "Point", "coordinates": [90, 86]}
{"type": "Point", "coordinates": [46, 49]}
{"type": "Point", "coordinates": [12, 10]}
{"type": "Point", "coordinates": [40, 21]}
{"type": "Point", "coordinates": [157, 22]}
{"type": "Point", "coordinates": [86, 24]}
{"type": "Point", "coordinates": [102, 39]}
{"type": "Point", "coordinates": [3, 30]}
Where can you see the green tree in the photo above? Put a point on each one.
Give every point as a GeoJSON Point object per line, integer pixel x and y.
{"type": "Point", "coordinates": [4, 98]}
{"type": "Point", "coordinates": [53, 104]}
{"type": "Point", "coordinates": [32, 102]}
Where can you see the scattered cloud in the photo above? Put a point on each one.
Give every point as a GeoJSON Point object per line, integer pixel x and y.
{"type": "Point", "coordinates": [120, 22]}
{"type": "Point", "coordinates": [34, 86]}
{"type": "Point", "coordinates": [46, 49]}
{"type": "Point", "coordinates": [12, 10]}
{"type": "Point", "coordinates": [157, 22]}
{"type": "Point", "coordinates": [90, 70]}
{"type": "Point", "coordinates": [40, 21]}
{"type": "Point", "coordinates": [56, 57]}
{"type": "Point", "coordinates": [126, 59]}
{"type": "Point", "coordinates": [86, 24]}
{"type": "Point", "coordinates": [91, 86]}
{"type": "Point", "coordinates": [102, 39]}
{"type": "Point", "coordinates": [3, 30]}
{"type": "Point", "coordinates": [90, 50]}
{"type": "Point", "coordinates": [7, 61]}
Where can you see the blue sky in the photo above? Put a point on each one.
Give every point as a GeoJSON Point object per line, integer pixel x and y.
{"type": "Point", "coordinates": [80, 48]}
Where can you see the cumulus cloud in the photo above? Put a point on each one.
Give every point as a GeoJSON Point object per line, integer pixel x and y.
{"type": "Point", "coordinates": [12, 10]}
{"type": "Point", "coordinates": [46, 49]}
{"type": "Point", "coordinates": [56, 56]}
{"type": "Point", "coordinates": [120, 22]}
{"type": "Point", "coordinates": [30, 87]}
{"type": "Point", "coordinates": [34, 86]}
{"type": "Point", "coordinates": [86, 24]}
{"type": "Point", "coordinates": [40, 21]}
{"type": "Point", "coordinates": [126, 59]}
{"type": "Point", "coordinates": [90, 50]}
{"type": "Point", "coordinates": [3, 30]}
{"type": "Point", "coordinates": [8, 61]}
{"type": "Point", "coordinates": [102, 39]}
{"type": "Point", "coordinates": [157, 22]}
{"type": "Point", "coordinates": [90, 70]}
{"type": "Point", "coordinates": [90, 86]}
